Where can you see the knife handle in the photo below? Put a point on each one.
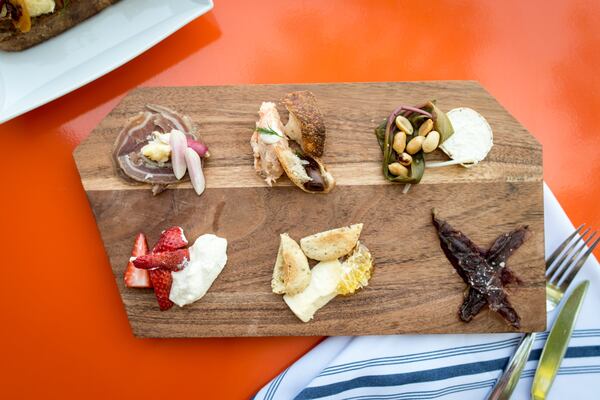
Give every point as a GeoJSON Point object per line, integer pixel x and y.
{"type": "Point", "coordinates": [512, 373]}
{"type": "Point", "coordinates": [557, 343]}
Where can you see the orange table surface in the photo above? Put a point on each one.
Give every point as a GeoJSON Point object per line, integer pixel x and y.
{"type": "Point", "coordinates": [64, 332]}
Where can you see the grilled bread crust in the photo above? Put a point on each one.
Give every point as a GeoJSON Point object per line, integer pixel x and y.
{"type": "Point", "coordinates": [47, 26]}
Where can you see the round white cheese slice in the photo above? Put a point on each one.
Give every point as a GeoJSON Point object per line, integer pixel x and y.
{"type": "Point", "coordinates": [472, 139]}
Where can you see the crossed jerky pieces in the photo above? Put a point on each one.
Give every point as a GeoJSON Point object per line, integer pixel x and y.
{"type": "Point", "coordinates": [484, 271]}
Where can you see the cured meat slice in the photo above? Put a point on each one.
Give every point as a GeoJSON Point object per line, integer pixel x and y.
{"type": "Point", "coordinates": [127, 156]}
{"type": "Point", "coordinates": [168, 119]}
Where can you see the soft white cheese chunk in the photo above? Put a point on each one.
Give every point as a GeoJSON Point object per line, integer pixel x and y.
{"type": "Point", "coordinates": [324, 280]}
{"type": "Point", "coordinates": [208, 256]}
{"type": "Point", "coordinates": [39, 7]}
{"type": "Point", "coordinates": [158, 148]}
{"type": "Point", "coordinates": [472, 139]}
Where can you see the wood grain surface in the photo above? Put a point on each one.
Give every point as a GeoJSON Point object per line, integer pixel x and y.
{"type": "Point", "coordinates": [414, 288]}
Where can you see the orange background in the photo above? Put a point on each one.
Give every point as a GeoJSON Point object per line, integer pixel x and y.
{"type": "Point", "coordinates": [64, 332]}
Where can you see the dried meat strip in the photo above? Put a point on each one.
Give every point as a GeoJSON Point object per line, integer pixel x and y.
{"type": "Point", "coordinates": [502, 248]}
{"type": "Point", "coordinates": [496, 257]}
{"type": "Point", "coordinates": [485, 272]}
{"type": "Point", "coordinates": [473, 303]}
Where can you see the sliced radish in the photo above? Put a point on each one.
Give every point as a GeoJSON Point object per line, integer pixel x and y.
{"type": "Point", "coordinates": [178, 144]}
{"type": "Point", "coordinates": [194, 165]}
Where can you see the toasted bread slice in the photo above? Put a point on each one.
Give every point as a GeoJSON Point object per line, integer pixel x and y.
{"type": "Point", "coordinates": [277, 283]}
{"type": "Point", "coordinates": [294, 167]}
{"type": "Point", "coordinates": [332, 244]}
{"type": "Point", "coordinates": [306, 124]}
{"type": "Point", "coordinates": [49, 25]}
{"type": "Point", "coordinates": [291, 274]}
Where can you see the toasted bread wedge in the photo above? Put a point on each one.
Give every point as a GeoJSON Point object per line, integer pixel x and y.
{"type": "Point", "coordinates": [308, 173]}
{"type": "Point", "coordinates": [306, 124]}
{"type": "Point", "coordinates": [332, 244]}
{"type": "Point", "coordinates": [291, 274]}
{"type": "Point", "coordinates": [277, 283]}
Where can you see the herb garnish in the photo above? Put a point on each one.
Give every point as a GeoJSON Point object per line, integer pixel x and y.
{"type": "Point", "coordinates": [268, 131]}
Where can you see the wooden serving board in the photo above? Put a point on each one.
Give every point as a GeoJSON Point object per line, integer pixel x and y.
{"type": "Point", "coordinates": [414, 288]}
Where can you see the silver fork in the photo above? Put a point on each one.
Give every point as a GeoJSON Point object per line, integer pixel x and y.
{"type": "Point", "coordinates": [559, 275]}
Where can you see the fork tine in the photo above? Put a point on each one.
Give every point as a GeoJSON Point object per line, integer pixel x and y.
{"type": "Point", "coordinates": [562, 246]}
{"type": "Point", "coordinates": [567, 281]}
{"type": "Point", "coordinates": [564, 267]}
{"type": "Point", "coordinates": [552, 270]}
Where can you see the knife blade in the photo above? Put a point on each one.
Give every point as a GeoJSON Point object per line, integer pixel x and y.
{"type": "Point", "coordinates": [557, 342]}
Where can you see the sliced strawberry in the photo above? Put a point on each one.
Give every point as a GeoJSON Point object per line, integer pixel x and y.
{"type": "Point", "coordinates": [170, 239]}
{"type": "Point", "coordinates": [169, 260]}
{"type": "Point", "coordinates": [162, 280]}
{"type": "Point", "coordinates": [135, 277]}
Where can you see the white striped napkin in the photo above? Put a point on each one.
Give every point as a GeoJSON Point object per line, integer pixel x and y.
{"type": "Point", "coordinates": [447, 366]}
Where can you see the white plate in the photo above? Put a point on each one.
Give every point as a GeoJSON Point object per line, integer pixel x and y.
{"type": "Point", "coordinates": [33, 77]}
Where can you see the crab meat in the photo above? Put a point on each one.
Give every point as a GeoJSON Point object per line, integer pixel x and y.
{"type": "Point", "coordinates": [263, 145]}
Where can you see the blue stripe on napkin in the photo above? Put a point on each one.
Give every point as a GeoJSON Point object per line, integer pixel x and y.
{"type": "Point", "coordinates": [432, 374]}
{"type": "Point", "coordinates": [429, 355]}
{"type": "Point", "coordinates": [274, 385]}
{"type": "Point", "coordinates": [430, 394]}
{"type": "Point", "coordinates": [433, 394]}
{"type": "Point", "coordinates": [432, 355]}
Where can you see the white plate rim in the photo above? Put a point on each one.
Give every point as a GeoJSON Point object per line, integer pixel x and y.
{"type": "Point", "coordinates": [177, 21]}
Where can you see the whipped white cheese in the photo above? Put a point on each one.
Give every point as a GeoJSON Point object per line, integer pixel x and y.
{"type": "Point", "coordinates": [208, 256]}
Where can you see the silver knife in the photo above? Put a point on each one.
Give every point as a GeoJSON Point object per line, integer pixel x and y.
{"type": "Point", "coordinates": [556, 345]}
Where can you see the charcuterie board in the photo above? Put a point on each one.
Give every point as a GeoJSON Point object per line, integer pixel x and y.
{"type": "Point", "coordinates": [414, 288]}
